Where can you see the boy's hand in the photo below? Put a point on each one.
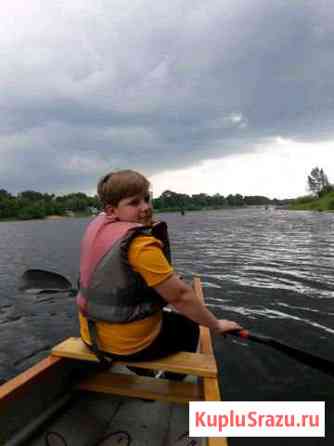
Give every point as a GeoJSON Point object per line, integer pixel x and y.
{"type": "Point", "coordinates": [224, 326]}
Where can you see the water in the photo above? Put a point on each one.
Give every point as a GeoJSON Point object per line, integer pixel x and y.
{"type": "Point", "coordinates": [272, 271]}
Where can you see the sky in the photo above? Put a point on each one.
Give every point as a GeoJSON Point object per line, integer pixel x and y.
{"type": "Point", "coordinates": [222, 96]}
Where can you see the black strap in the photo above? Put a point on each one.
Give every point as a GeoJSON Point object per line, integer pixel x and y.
{"type": "Point", "coordinates": [103, 360]}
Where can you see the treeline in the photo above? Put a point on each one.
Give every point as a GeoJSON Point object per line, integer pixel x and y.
{"type": "Point", "coordinates": [31, 204]}
{"type": "Point", "coordinates": [173, 201]}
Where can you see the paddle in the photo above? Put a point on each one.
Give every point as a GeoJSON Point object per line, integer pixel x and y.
{"type": "Point", "coordinates": [37, 281]}
{"type": "Point", "coordinates": [322, 364]}
{"type": "Point", "coordinates": [46, 282]}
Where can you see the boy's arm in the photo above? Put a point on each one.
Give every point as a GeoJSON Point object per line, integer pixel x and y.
{"type": "Point", "coordinates": [177, 293]}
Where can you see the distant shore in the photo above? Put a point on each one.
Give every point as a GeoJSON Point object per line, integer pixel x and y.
{"type": "Point", "coordinates": [324, 203]}
{"type": "Point", "coordinates": [156, 211]}
{"type": "Point", "coordinates": [313, 205]}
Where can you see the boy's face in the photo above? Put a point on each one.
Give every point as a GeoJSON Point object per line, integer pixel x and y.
{"type": "Point", "coordinates": [136, 209]}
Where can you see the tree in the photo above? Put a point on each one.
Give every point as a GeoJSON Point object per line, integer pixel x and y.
{"type": "Point", "coordinates": [4, 194]}
{"type": "Point", "coordinates": [170, 199]}
{"type": "Point", "coordinates": [235, 200]}
{"type": "Point", "coordinates": [8, 208]}
{"type": "Point", "coordinates": [200, 200]}
{"type": "Point", "coordinates": [318, 181]}
{"type": "Point", "coordinates": [256, 200]}
{"type": "Point", "coordinates": [30, 195]}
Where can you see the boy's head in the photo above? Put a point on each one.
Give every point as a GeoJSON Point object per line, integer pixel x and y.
{"type": "Point", "coordinates": [125, 194]}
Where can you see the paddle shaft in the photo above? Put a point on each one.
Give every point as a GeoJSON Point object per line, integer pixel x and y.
{"type": "Point", "coordinates": [302, 356]}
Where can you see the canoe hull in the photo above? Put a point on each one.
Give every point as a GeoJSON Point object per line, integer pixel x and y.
{"type": "Point", "coordinates": [42, 400]}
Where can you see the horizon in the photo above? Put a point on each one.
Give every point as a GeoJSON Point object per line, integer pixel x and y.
{"type": "Point", "coordinates": [93, 195]}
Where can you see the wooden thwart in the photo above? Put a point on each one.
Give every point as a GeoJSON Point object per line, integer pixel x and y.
{"type": "Point", "coordinates": [142, 387]}
{"type": "Point", "coordinates": [198, 364]}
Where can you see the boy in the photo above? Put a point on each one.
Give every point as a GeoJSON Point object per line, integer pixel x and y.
{"type": "Point", "coordinates": [126, 278]}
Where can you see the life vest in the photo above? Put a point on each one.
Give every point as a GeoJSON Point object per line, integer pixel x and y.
{"type": "Point", "coordinates": [110, 290]}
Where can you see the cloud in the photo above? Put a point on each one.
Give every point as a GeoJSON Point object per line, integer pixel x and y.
{"type": "Point", "coordinates": [279, 171]}
{"type": "Point", "coordinates": [87, 87]}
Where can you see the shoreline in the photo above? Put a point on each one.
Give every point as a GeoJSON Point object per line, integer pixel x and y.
{"type": "Point", "coordinates": [48, 217]}
{"type": "Point", "coordinates": [172, 211]}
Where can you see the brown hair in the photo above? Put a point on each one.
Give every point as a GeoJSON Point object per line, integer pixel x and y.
{"type": "Point", "coordinates": [115, 186]}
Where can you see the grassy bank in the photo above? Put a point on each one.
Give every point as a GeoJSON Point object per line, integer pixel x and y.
{"type": "Point", "coordinates": [309, 203]}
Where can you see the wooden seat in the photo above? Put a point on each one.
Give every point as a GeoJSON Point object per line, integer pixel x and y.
{"type": "Point", "coordinates": [198, 364]}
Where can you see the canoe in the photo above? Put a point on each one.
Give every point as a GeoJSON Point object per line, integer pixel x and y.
{"type": "Point", "coordinates": [66, 400]}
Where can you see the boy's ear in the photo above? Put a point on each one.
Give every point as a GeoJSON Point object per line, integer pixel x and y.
{"type": "Point", "coordinates": [109, 210]}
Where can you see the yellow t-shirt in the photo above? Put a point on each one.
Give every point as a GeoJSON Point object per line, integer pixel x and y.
{"type": "Point", "coordinates": [146, 258]}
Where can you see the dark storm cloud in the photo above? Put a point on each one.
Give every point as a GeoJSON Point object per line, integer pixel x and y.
{"type": "Point", "coordinates": [86, 89]}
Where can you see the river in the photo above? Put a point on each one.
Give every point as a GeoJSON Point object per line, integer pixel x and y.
{"type": "Point", "coordinates": [270, 270]}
